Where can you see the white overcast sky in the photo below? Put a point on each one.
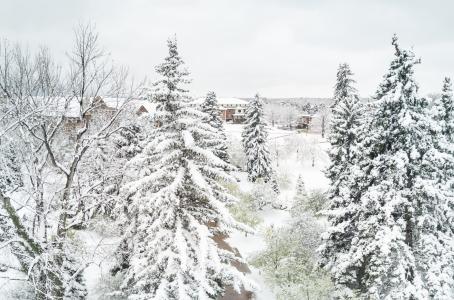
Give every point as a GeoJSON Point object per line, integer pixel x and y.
{"type": "Point", "coordinates": [280, 48]}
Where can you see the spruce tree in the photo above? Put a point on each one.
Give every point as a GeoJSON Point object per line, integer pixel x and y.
{"type": "Point", "coordinates": [213, 118]}
{"type": "Point", "coordinates": [400, 245]}
{"type": "Point", "coordinates": [177, 202]}
{"type": "Point", "coordinates": [447, 111]}
{"type": "Point", "coordinates": [300, 198]}
{"type": "Point", "coordinates": [254, 138]}
{"type": "Point", "coordinates": [344, 87]}
{"type": "Point", "coordinates": [345, 136]}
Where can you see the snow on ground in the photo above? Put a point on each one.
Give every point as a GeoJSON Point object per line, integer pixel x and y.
{"type": "Point", "coordinates": [11, 281]}
{"type": "Point", "coordinates": [97, 251]}
{"type": "Point", "coordinates": [295, 154]}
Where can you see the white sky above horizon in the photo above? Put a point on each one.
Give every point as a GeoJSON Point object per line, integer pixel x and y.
{"type": "Point", "coordinates": [286, 48]}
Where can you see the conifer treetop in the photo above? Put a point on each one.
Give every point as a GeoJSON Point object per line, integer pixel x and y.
{"type": "Point", "coordinates": [401, 72]}
{"type": "Point", "coordinates": [344, 84]}
{"type": "Point", "coordinates": [172, 71]}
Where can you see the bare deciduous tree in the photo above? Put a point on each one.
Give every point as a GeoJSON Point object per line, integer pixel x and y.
{"type": "Point", "coordinates": [38, 102]}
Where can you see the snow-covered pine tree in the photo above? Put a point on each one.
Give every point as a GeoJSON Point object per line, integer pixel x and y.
{"type": "Point", "coordinates": [400, 246]}
{"type": "Point", "coordinates": [345, 135]}
{"type": "Point", "coordinates": [441, 162]}
{"type": "Point", "coordinates": [344, 87]}
{"type": "Point", "coordinates": [254, 139]}
{"type": "Point", "coordinates": [443, 115]}
{"type": "Point", "coordinates": [300, 198]}
{"type": "Point", "coordinates": [211, 109]}
{"type": "Point", "coordinates": [127, 144]}
{"type": "Point", "coordinates": [178, 204]}
{"type": "Point", "coordinates": [447, 114]}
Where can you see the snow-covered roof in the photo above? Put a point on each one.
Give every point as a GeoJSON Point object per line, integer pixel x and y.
{"type": "Point", "coordinates": [56, 106]}
{"type": "Point", "coordinates": [133, 104]}
{"type": "Point", "coordinates": [224, 101]}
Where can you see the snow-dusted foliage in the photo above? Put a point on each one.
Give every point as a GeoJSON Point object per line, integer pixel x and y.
{"type": "Point", "coordinates": [344, 87]}
{"type": "Point", "coordinates": [401, 244]}
{"type": "Point", "coordinates": [289, 260]}
{"type": "Point", "coordinates": [177, 205]}
{"type": "Point", "coordinates": [447, 110]}
{"type": "Point", "coordinates": [263, 195]}
{"type": "Point", "coordinates": [213, 118]}
{"type": "Point", "coordinates": [344, 138]}
{"type": "Point", "coordinates": [300, 198]}
{"type": "Point", "coordinates": [102, 173]}
{"type": "Point", "coordinates": [255, 136]}
{"type": "Point", "coordinates": [10, 176]}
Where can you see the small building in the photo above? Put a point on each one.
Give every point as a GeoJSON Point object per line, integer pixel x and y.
{"type": "Point", "coordinates": [102, 109]}
{"type": "Point", "coordinates": [231, 110]}
{"type": "Point", "coordinates": [304, 121]}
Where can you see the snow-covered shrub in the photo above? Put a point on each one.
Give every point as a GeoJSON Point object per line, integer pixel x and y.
{"type": "Point", "coordinates": [304, 202]}
{"type": "Point", "coordinates": [243, 210]}
{"type": "Point", "coordinates": [316, 201]}
{"type": "Point", "coordinates": [263, 195]}
{"type": "Point", "coordinates": [283, 179]}
{"type": "Point", "coordinates": [109, 288]}
{"type": "Point", "coordinates": [289, 262]}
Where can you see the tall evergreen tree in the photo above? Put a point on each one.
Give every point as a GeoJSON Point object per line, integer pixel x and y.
{"type": "Point", "coordinates": [345, 132]}
{"type": "Point", "coordinates": [254, 138]}
{"type": "Point", "coordinates": [213, 118]}
{"type": "Point", "coordinates": [399, 248]}
{"type": "Point", "coordinates": [345, 136]}
{"type": "Point", "coordinates": [178, 203]}
{"type": "Point", "coordinates": [344, 87]}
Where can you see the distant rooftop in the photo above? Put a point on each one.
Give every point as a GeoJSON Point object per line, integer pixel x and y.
{"type": "Point", "coordinates": [59, 106]}
{"type": "Point", "coordinates": [224, 101]}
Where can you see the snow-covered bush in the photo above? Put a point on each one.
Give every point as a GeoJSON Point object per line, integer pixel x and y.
{"type": "Point", "coordinates": [108, 284]}
{"type": "Point", "coordinates": [263, 195]}
{"type": "Point", "coordinates": [283, 179]}
{"type": "Point", "coordinates": [316, 201]}
{"type": "Point", "coordinates": [289, 262]}
{"type": "Point", "coordinates": [307, 202]}
{"type": "Point", "coordinates": [243, 210]}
